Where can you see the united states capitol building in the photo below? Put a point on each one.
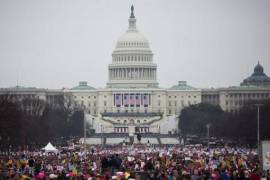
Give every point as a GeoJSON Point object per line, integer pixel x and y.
{"type": "Point", "coordinates": [132, 101]}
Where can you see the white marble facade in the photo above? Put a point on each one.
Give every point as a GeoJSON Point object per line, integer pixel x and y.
{"type": "Point", "coordinates": [132, 100]}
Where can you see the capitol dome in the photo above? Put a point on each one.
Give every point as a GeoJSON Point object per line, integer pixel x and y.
{"type": "Point", "coordinates": [132, 60]}
{"type": "Point", "coordinates": [132, 38]}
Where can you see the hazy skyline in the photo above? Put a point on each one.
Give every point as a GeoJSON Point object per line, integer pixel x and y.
{"type": "Point", "coordinates": [208, 43]}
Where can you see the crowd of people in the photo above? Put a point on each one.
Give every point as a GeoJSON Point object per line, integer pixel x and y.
{"type": "Point", "coordinates": [134, 162]}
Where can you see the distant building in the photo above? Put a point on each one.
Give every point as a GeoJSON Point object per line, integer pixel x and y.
{"type": "Point", "coordinates": [231, 99]}
{"type": "Point", "coordinates": [33, 99]}
{"type": "Point", "coordinates": [258, 78]}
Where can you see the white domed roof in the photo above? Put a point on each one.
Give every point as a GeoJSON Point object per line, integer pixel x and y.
{"type": "Point", "coordinates": [132, 38]}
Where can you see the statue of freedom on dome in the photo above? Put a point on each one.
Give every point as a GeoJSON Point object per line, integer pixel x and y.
{"type": "Point", "coordinates": [132, 13]}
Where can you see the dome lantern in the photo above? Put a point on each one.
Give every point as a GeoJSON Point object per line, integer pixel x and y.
{"type": "Point", "coordinates": [258, 68]}
{"type": "Point", "coordinates": [132, 20]}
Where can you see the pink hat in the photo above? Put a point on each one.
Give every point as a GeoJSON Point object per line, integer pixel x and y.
{"type": "Point", "coordinates": [41, 175]}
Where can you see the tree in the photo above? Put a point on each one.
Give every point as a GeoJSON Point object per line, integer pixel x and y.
{"type": "Point", "coordinates": [241, 126]}
{"type": "Point", "coordinates": [193, 119]}
{"type": "Point", "coordinates": [31, 121]}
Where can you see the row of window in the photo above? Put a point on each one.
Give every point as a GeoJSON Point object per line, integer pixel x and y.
{"type": "Point", "coordinates": [145, 105]}
{"type": "Point", "coordinates": [15, 96]}
{"type": "Point", "coordinates": [132, 58]}
{"type": "Point", "coordinates": [83, 104]}
{"type": "Point", "coordinates": [183, 96]}
{"type": "Point", "coordinates": [236, 103]}
{"type": "Point", "coordinates": [182, 103]}
{"type": "Point", "coordinates": [249, 95]}
{"type": "Point", "coordinates": [132, 44]}
{"type": "Point", "coordinates": [214, 96]}
{"type": "Point", "coordinates": [131, 121]}
{"type": "Point", "coordinates": [82, 97]}
{"type": "Point", "coordinates": [89, 97]}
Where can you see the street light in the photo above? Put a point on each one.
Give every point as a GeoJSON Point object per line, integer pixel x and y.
{"type": "Point", "coordinates": [208, 125]}
{"type": "Point", "coordinates": [84, 133]}
{"type": "Point", "coordinates": [258, 125]}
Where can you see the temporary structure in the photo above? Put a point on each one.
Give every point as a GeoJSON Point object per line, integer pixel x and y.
{"type": "Point", "coordinates": [50, 148]}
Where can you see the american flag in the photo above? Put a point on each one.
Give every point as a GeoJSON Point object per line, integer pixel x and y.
{"type": "Point", "coordinates": [138, 99]}
{"type": "Point", "coordinates": [145, 99]}
{"type": "Point", "coordinates": [132, 99]}
{"type": "Point", "coordinates": [126, 99]}
{"type": "Point", "coordinates": [118, 100]}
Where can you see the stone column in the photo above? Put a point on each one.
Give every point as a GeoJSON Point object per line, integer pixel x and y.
{"type": "Point", "coordinates": [121, 73]}
{"type": "Point", "coordinates": [110, 74]}
{"type": "Point", "coordinates": [128, 73]}
{"type": "Point", "coordinates": [144, 73]}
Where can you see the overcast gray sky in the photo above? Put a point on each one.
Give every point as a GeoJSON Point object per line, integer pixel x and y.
{"type": "Point", "coordinates": [208, 43]}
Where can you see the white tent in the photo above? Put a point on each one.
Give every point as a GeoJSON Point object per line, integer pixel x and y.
{"type": "Point", "coordinates": [50, 148]}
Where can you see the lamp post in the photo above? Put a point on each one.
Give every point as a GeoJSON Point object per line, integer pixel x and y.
{"type": "Point", "coordinates": [208, 125]}
{"type": "Point", "coordinates": [84, 133]}
{"type": "Point", "coordinates": [258, 133]}
{"type": "Point", "coordinates": [258, 125]}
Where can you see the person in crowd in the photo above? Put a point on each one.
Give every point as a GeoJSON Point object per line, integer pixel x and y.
{"type": "Point", "coordinates": [134, 162]}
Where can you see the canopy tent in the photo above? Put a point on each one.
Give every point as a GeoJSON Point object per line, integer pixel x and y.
{"type": "Point", "coordinates": [50, 148]}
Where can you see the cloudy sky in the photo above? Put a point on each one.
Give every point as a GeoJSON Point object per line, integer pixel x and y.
{"type": "Point", "coordinates": [56, 43]}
